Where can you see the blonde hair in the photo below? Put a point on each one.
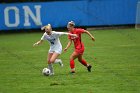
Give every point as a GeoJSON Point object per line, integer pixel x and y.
{"type": "Point", "coordinates": [47, 26]}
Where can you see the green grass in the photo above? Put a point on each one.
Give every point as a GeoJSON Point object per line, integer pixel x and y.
{"type": "Point", "coordinates": [115, 57]}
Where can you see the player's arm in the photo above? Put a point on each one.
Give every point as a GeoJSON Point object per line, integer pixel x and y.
{"type": "Point", "coordinates": [65, 33]}
{"type": "Point", "coordinates": [92, 37]}
{"type": "Point", "coordinates": [42, 28]}
{"type": "Point", "coordinates": [73, 35]}
{"type": "Point", "coordinates": [68, 45]}
{"type": "Point", "coordinates": [38, 43]}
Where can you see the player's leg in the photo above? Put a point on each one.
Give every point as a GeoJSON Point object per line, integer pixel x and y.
{"type": "Point", "coordinates": [50, 66]}
{"type": "Point", "coordinates": [82, 61]}
{"type": "Point", "coordinates": [73, 56]}
{"type": "Point", "coordinates": [54, 57]}
{"type": "Point", "coordinates": [51, 61]}
{"type": "Point", "coordinates": [58, 51]}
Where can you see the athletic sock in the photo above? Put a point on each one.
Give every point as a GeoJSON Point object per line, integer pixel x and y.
{"type": "Point", "coordinates": [50, 66]}
{"type": "Point", "coordinates": [72, 64]}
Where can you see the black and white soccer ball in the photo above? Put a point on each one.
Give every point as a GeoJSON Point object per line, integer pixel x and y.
{"type": "Point", "coordinates": [46, 71]}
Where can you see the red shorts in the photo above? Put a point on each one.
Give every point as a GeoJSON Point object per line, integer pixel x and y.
{"type": "Point", "coordinates": [79, 51]}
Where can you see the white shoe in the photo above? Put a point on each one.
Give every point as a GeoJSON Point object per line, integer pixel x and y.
{"type": "Point", "coordinates": [60, 62]}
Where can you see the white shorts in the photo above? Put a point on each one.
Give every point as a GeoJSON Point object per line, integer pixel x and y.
{"type": "Point", "coordinates": [59, 50]}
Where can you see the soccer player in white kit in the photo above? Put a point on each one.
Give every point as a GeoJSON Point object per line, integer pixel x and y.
{"type": "Point", "coordinates": [55, 46]}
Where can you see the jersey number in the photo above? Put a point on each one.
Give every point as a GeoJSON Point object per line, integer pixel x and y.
{"type": "Point", "coordinates": [52, 43]}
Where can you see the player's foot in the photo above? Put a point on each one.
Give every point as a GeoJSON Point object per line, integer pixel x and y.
{"type": "Point", "coordinates": [72, 70]}
{"type": "Point", "coordinates": [60, 62]}
{"type": "Point", "coordinates": [89, 68]}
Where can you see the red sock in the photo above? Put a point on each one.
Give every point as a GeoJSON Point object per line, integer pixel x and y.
{"type": "Point", "coordinates": [72, 64]}
{"type": "Point", "coordinates": [83, 62]}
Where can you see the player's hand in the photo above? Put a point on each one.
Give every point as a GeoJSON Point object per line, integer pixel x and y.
{"type": "Point", "coordinates": [35, 44]}
{"type": "Point", "coordinates": [93, 38]}
{"type": "Point", "coordinates": [42, 28]}
{"type": "Point", "coordinates": [65, 49]}
{"type": "Point", "coordinates": [74, 35]}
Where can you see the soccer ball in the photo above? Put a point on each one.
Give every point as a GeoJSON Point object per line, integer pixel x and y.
{"type": "Point", "coordinates": [46, 71]}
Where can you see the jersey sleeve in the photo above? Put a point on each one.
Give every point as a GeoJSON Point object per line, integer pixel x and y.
{"type": "Point", "coordinates": [79, 31]}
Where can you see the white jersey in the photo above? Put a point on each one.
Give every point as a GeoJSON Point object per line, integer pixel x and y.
{"type": "Point", "coordinates": [53, 39]}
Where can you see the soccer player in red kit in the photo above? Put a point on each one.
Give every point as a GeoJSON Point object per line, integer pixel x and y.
{"type": "Point", "coordinates": [79, 46]}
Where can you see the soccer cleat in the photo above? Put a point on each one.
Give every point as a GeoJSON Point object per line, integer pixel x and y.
{"type": "Point", "coordinates": [60, 62]}
{"type": "Point", "coordinates": [89, 68]}
{"type": "Point", "coordinates": [72, 72]}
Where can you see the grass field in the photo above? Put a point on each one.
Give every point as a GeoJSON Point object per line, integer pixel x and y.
{"type": "Point", "coordinates": [115, 57]}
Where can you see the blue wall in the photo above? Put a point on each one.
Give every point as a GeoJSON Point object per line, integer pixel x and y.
{"type": "Point", "coordinates": [83, 12]}
{"type": "Point", "coordinates": [112, 12]}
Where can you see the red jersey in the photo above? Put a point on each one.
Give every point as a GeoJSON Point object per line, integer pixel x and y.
{"type": "Point", "coordinates": [77, 41]}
